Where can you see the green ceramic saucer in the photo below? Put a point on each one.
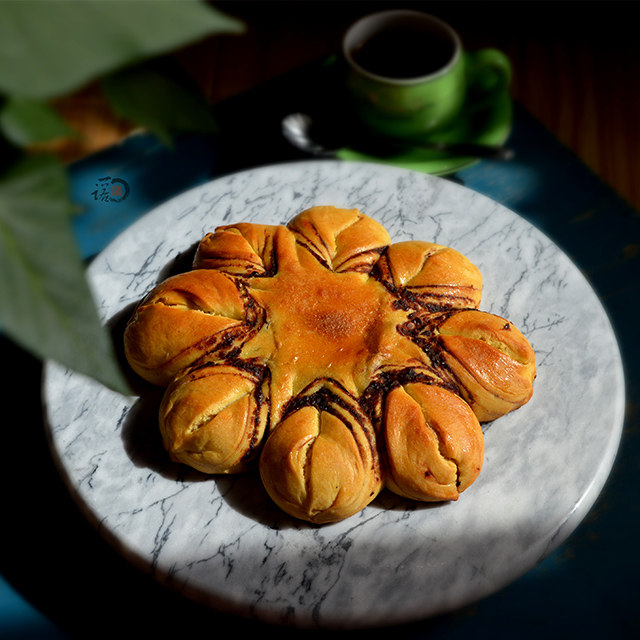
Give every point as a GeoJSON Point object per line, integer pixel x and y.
{"type": "Point", "coordinates": [486, 118]}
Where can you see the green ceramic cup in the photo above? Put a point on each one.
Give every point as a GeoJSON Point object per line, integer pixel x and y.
{"type": "Point", "coordinates": [407, 73]}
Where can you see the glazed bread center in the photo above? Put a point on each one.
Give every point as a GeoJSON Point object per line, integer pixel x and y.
{"type": "Point", "coordinates": [334, 320]}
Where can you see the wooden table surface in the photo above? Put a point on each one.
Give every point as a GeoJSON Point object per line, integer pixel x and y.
{"type": "Point", "coordinates": [576, 68]}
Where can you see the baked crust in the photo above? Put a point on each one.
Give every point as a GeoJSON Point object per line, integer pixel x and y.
{"type": "Point", "coordinates": [321, 462]}
{"type": "Point", "coordinates": [433, 440]}
{"type": "Point", "coordinates": [336, 362]}
{"type": "Point", "coordinates": [214, 416]}
{"type": "Point", "coordinates": [185, 317]}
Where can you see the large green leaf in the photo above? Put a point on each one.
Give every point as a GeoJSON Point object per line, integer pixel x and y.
{"type": "Point", "coordinates": [25, 121]}
{"type": "Point", "coordinates": [45, 301]}
{"type": "Point", "coordinates": [158, 101]}
{"type": "Point", "coordinates": [50, 48]}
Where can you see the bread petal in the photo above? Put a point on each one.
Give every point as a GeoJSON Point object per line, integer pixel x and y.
{"type": "Point", "coordinates": [434, 446]}
{"type": "Point", "coordinates": [242, 249]}
{"type": "Point", "coordinates": [340, 239]}
{"type": "Point", "coordinates": [214, 418]}
{"type": "Point", "coordinates": [430, 276]}
{"type": "Point", "coordinates": [183, 318]}
{"type": "Point", "coordinates": [490, 360]}
{"type": "Point", "coordinates": [320, 462]}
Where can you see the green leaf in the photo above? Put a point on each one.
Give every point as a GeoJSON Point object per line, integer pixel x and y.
{"type": "Point", "coordinates": [48, 49]}
{"type": "Point", "coordinates": [158, 102]}
{"type": "Point", "coordinates": [46, 303]}
{"type": "Point", "coordinates": [24, 121]}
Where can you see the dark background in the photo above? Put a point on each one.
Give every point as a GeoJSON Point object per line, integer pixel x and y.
{"type": "Point", "coordinates": [576, 67]}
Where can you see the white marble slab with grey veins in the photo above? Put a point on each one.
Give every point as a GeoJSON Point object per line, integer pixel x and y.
{"type": "Point", "coordinates": [222, 541]}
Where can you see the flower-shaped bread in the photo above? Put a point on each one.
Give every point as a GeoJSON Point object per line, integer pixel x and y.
{"type": "Point", "coordinates": [334, 361]}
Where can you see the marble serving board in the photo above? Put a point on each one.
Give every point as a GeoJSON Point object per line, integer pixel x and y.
{"type": "Point", "coordinates": [221, 541]}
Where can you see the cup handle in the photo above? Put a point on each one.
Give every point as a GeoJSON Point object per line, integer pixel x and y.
{"type": "Point", "coordinates": [488, 70]}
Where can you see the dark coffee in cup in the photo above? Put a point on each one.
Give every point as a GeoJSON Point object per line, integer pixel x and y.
{"type": "Point", "coordinates": [404, 52]}
{"type": "Point", "coordinates": [405, 72]}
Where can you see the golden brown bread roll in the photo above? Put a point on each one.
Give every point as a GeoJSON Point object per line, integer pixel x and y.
{"type": "Point", "coordinates": [243, 249]}
{"type": "Point", "coordinates": [424, 274]}
{"type": "Point", "coordinates": [340, 239]}
{"type": "Point", "coordinates": [434, 446]}
{"type": "Point", "coordinates": [490, 360]}
{"type": "Point", "coordinates": [321, 462]}
{"type": "Point", "coordinates": [213, 417]}
{"type": "Point", "coordinates": [334, 361]}
{"type": "Point", "coordinates": [183, 318]}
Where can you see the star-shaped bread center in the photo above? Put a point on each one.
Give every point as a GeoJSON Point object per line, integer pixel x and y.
{"type": "Point", "coordinates": [335, 325]}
